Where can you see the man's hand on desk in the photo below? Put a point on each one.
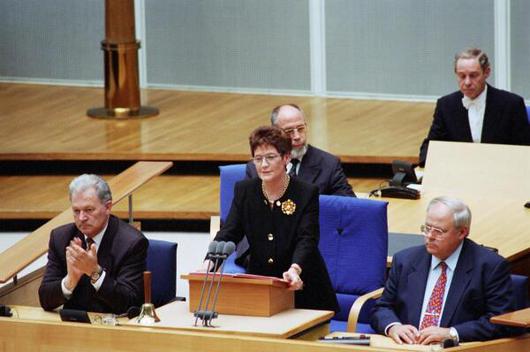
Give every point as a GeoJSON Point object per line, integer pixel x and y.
{"type": "Point", "coordinates": [410, 335]}
{"type": "Point", "coordinates": [403, 333]}
{"type": "Point", "coordinates": [433, 334]}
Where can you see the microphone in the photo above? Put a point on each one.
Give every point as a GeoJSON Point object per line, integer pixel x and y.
{"type": "Point", "coordinates": [218, 252]}
{"type": "Point", "coordinates": [222, 251]}
{"type": "Point", "coordinates": [228, 249]}
{"type": "Point", "coordinates": [210, 255]}
{"type": "Point", "coordinates": [211, 249]}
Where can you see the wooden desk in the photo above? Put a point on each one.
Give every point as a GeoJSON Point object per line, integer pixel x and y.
{"type": "Point", "coordinates": [289, 323]}
{"type": "Point", "coordinates": [520, 318]}
{"type": "Point", "coordinates": [492, 179]}
{"type": "Point", "coordinates": [49, 334]}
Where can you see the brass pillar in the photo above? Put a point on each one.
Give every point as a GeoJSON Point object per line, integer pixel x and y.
{"type": "Point", "coordinates": [120, 47]}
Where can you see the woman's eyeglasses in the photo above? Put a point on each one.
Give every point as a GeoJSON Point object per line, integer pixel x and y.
{"type": "Point", "coordinates": [258, 160]}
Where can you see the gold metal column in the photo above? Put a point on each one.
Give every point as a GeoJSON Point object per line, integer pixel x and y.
{"type": "Point", "coordinates": [120, 47]}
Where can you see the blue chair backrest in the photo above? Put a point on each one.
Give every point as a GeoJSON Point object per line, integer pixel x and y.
{"type": "Point", "coordinates": [354, 244]}
{"type": "Point", "coordinates": [520, 290]}
{"type": "Point", "coordinates": [229, 175]}
{"type": "Point", "coordinates": [528, 113]}
{"type": "Point", "coordinates": [162, 263]}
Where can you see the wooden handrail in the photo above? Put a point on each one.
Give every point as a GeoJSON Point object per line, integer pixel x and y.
{"type": "Point", "coordinates": [29, 249]}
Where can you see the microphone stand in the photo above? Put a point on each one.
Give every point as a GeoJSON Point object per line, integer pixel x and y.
{"type": "Point", "coordinates": [213, 249]}
{"type": "Point", "coordinates": [227, 250]}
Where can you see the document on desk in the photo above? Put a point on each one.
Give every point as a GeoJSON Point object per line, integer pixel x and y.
{"type": "Point", "coordinates": [246, 276]}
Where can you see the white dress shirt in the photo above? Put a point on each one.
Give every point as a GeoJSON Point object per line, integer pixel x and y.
{"type": "Point", "coordinates": [475, 113]}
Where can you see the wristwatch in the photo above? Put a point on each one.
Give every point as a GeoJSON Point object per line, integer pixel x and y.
{"type": "Point", "coordinates": [454, 335]}
{"type": "Point", "coordinates": [96, 275]}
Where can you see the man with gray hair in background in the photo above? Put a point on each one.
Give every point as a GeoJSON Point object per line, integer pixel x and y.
{"type": "Point", "coordinates": [448, 288]}
{"type": "Point", "coordinates": [478, 112]}
{"type": "Point", "coordinates": [97, 262]}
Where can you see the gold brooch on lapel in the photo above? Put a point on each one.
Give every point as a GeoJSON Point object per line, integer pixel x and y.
{"type": "Point", "coordinates": [288, 207]}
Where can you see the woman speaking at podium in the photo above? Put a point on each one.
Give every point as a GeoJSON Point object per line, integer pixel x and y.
{"type": "Point", "coordinates": [279, 216]}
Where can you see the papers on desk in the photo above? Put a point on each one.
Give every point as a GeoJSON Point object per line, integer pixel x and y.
{"type": "Point", "coordinates": [416, 186]}
{"type": "Point", "coordinates": [246, 276]}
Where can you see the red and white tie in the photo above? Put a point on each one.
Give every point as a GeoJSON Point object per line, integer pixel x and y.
{"type": "Point", "coordinates": [434, 307]}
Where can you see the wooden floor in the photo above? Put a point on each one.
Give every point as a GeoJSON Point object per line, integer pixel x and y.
{"type": "Point", "coordinates": [40, 122]}
{"type": "Point", "coordinates": [49, 122]}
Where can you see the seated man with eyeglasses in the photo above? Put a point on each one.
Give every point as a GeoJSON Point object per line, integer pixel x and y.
{"type": "Point", "coordinates": [308, 163]}
{"type": "Point", "coordinates": [448, 288]}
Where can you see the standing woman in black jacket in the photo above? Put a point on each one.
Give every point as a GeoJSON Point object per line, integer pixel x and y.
{"type": "Point", "coordinates": [279, 215]}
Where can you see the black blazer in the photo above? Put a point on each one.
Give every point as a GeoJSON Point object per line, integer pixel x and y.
{"type": "Point", "coordinates": [321, 169]}
{"type": "Point", "coordinates": [481, 288]}
{"type": "Point", "coordinates": [278, 239]}
{"type": "Point", "coordinates": [121, 254]}
{"type": "Point", "coordinates": [505, 121]}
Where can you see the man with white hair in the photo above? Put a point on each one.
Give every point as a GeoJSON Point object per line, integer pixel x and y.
{"type": "Point", "coordinates": [448, 288]}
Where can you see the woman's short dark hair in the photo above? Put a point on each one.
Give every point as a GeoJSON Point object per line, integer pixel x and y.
{"type": "Point", "coordinates": [270, 135]}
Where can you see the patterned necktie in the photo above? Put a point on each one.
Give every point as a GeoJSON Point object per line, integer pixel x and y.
{"type": "Point", "coordinates": [294, 164]}
{"type": "Point", "coordinates": [434, 307]}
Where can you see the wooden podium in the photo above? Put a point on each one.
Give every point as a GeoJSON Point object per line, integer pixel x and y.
{"type": "Point", "coordinates": [243, 294]}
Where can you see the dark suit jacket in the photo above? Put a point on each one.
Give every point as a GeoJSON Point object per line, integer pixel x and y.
{"type": "Point", "coordinates": [284, 238]}
{"type": "Point", "coordinates": [481, 288]}
{"type": "Point", "coordinates": [121, 254]}
{"type": "Point", "coordinates": [321, 169]}
{"type": "Point", "coordinates": [505, 121]}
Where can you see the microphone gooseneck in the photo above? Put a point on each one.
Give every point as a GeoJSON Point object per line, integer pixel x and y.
{"type": "Point", "coordinates": [222, 251]}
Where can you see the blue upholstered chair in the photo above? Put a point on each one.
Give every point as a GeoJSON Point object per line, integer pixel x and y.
{"type": "Point", "coordinates": [520, 289]}
{"type": "Point", "coordinates": [229, 175]}
{"type": "Point", "coordinates": [354, 244]}
{"type": "Point", "coordinates": [528, 113]}
{"type": "Point", "coordinates": [162, 263]}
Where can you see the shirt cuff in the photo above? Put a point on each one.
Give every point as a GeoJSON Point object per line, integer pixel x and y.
{"type": "Point", "coordinates": [391, 325]}
{"type": "Point", "coordinates": [454, 332]}
{"type": "Point", "coordinates": [98, 283]}
{"type": "Point", "coordinates": [66, 292]}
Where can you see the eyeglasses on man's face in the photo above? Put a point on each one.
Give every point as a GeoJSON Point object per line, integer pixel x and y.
{"type": "Point", "coordinates": [270, 158]}
{"type": "Point", "coordinates": [433, 231]}
{"type": "Point", "coordinates": [297, 129]}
